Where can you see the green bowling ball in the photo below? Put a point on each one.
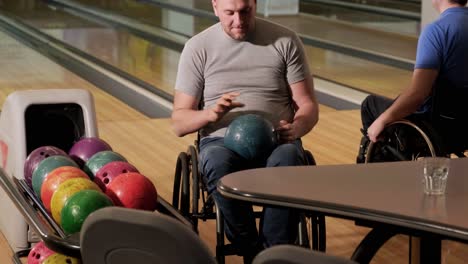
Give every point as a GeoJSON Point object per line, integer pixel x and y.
{"type": "Point", "coordinates": [98, 160]}
{"type": "Point", "coordinates": [251, 136]}
{"type": "Point", "coordinates": [79, 206]}
{"type": "Point", "coordinates": [45, 167]}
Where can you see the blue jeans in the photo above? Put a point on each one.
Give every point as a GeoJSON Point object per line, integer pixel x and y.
{"type": "Point", "coordinates": [278, 225]}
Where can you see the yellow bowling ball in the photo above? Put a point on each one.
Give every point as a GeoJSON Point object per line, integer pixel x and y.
{"type": "Point", "coordinates": [60, 259]}
{"type": "Point", "coordinates": [65, 191]}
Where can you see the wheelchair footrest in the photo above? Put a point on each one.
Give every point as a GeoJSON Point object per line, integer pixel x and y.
{"type": "Point", "coordinates": [205, 216]}
{"type": "Point", "coordinates": [229, 250]}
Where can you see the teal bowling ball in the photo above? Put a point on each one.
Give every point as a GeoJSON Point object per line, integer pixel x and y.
{"type": "Point", "coordinates": [98, 160]}
{"type": "Point", "coordinates": [79, 206]}
{"type": "Point", "coordinates": [251, 136]}
{"type": "Point", "coordinates": [45, 167]}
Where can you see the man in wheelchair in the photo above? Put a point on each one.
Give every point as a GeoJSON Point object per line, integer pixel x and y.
{"type": "Point", "coordinates": [244, 64]}
{"type": "Point", "coordinates": [439, 88]}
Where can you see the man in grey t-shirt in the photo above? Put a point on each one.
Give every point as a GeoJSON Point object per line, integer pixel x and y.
{"type": "Point", "coordinates": [242, 65]}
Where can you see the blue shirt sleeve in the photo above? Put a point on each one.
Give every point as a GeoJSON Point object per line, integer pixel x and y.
{"type": "Point", "coordinates": [430, 48]}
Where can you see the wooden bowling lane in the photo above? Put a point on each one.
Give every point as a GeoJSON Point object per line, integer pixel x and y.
{"type": "Point", "coordinates": [138, 57]}
{"type": "Point", "coordinates": [357, 73]}
{"type": "Point", "coordinates": [151, 15]}
{"type": "Point", "coordinates": [401, 5]}
{"type": "Point", "coordinates": [5, 250]}
{"type": "Point", "coordinates": [407, 5]}
{"type": "Point", "coordinates": [41, 14]}
{"type": "Point", "coordinates": [387, 43]}
{"type": "Point", "coordinates": [158, 66]}
{"type": "Point", "coordinates": [366, 13]}
{"type": "Point", "coordinates": [324, 142]}
{"type": "Point", "coordinates": [25, 69]}
{"type": "Point", "coordinates": [401, 46]}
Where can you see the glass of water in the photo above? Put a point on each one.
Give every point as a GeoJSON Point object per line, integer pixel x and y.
{"type": "Point", "coordinates": [436, 170]}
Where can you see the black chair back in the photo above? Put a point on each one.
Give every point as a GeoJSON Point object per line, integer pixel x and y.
{"type": "Point", "coordinates": [449, 115]}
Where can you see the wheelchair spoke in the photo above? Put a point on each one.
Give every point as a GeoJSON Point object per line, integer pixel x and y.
{"type": "Point", "coordinates": [401, 140]}
{"type": "Point", "coordinates": [397, 154]}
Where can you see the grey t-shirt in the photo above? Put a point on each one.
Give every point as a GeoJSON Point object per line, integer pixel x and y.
{"type": "Point", "coordinates": [259, 68]}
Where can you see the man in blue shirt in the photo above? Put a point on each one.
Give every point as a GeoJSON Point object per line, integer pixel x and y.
{"type": "Point", "coordinates": [442, 54]}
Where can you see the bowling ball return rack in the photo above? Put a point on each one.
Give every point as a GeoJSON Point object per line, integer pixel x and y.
{"type": "Point", "coordinates": [46, 228]}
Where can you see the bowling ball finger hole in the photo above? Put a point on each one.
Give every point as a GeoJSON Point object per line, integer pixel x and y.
{"type": "Point", "coordinates": [104, 174]}
{"type": "Point", "coordinates": [106, 180]}
{"type": "Point", "coordinates": [124, 171]}
{"type": "Point", "coordinates": [38, 256]}
{"type": "Point", "coordinates": [68, 261]}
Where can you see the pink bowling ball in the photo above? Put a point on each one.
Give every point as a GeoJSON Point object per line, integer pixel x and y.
{"type": "Point", "coordinates": [39, 253]}
{"type": "Point", "coordinates": [111, 170]}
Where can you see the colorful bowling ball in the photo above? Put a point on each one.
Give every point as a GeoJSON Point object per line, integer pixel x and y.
{"type": "Point", "coordinates": [85, 148]}
{"type": "Point", "coordinates": [55, 178]}
{"type": "Point", "coordinates": [65, 191]}
{"type": "Point", "coordinates": [100, 159]}
{"type": "Point", "coordinates": [79, 206]}
{"type": "Point", "coordinates": [251, 136]}
{"type": "Point", "coordinates": [45, 167]}
{"type": "Point", "coordinates": [39, 253]}
{"type": "Point", "coordinates": [35, 157]}
{"type": "Point", "coordinates": [133, 190]}
{"type": "Point", "coordinates": [60, 259]}
{"type": "Point", "coordinates": [108, 172]}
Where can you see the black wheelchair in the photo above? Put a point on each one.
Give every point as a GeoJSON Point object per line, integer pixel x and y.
{"type": "Point", "coordinates": [191, 198]}
{"type": "Point", "coordinates": [441, 133]}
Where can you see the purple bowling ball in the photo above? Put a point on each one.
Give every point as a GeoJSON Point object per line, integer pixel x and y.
{"type": "Point", "coordinates": [108, 172]}
{"type": "Point", "coordinates": [36, 156]}
{"type": "Point", "coordinates": [85, 148]}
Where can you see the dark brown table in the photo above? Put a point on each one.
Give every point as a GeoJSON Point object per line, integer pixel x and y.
{"type": "Point", "coordinates": [387, 193]}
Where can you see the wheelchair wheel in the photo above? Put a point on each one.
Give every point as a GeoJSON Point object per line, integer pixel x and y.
{"type": "Point", "coordinates": [310, 160]}
{"type": "Point", "coordinates": [193, 163]}
{"type": "Point", "coordinates": [317, 228]}
{"type": "Point", "coordinates": [181, 192]}
{"type": "Point", "coordinates": [186, 190]}
{"type": "Point", "coordinates": [402, 140]}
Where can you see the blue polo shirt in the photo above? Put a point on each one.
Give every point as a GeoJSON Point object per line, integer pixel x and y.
{"type": "Point", "coordinates": [443, 45]}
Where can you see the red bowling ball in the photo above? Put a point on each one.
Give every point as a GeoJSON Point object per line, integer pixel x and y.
{"type": "Point", "coordinates": [133, 190]}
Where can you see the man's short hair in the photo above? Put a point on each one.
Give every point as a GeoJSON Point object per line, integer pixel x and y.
{"type": "Point", "coordinates": [460, 2]}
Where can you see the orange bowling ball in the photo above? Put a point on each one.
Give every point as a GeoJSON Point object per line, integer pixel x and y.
{"type": "Point", "coordinates": [55, 178]}
{"type": "Point", "coordinates": [65, 191]}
